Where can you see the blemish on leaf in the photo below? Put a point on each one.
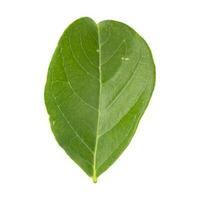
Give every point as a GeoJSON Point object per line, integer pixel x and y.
{"type": "Point", "coordinates": [125, 58]}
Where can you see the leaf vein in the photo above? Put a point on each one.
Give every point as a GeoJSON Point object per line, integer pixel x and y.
{"type": "Point", "coordinates": [102, 163]}
{"type": "Point", "coordinates": [112, 55]}
{"type": "Point", "coordinates": [76, 60]}
{"type": "Point", "coordinates": [84, 52]}
{"type": "Point", "coordinates": [66, 119]}
{"type": "Point", "coordinates": [70, 85]}
{"type": "Point", "coordinates": [137, 99]}
{"type": "Point", "coordinates": [73, 129]}
{"type": "Point", "coordinates": [108, 38]}
{"type": "Point", "coordinates": [124, 86]}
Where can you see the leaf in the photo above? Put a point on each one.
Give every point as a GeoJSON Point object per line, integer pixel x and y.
{"type": "Point", "coordinates": [99, 83]}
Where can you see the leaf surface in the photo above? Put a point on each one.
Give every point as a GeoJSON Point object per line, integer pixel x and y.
{"type": "Point", "coordinates": [99, 83]}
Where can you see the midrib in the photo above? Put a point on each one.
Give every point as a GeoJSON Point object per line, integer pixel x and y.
{"type": "Point", "coordinates": [94, 177]}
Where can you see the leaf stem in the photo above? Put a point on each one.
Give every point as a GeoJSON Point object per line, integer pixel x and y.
{"type": "Point", "coordinates": [94, 178]}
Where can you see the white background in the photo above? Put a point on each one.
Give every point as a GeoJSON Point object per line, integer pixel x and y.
{"type": "Point", "coordinates": [163, 160]}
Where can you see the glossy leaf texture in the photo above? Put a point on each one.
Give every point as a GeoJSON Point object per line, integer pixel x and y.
{"type": "Point", "coordinates": [99, 83]}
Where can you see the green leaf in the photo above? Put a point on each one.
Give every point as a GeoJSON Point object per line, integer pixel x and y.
{"type": "Point", "coordinates": [99, 83]}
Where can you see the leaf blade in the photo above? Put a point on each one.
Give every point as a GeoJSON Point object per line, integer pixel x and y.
{"type": "Point", "coordinates": [99, 84]}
